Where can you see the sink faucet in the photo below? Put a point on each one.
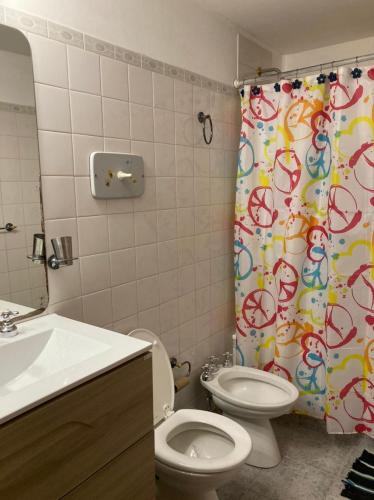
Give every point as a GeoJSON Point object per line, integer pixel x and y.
{"type": "Point", "coordinates": [7, 327]}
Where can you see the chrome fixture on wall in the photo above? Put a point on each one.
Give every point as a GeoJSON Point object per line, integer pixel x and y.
{"type": "Point", "coordinates": [63, 252]}
{"type": "Point", "coordinates": [202, 117]}
{"type": "Point", "coordinates": [9, 226]}
{"type": "Point", "coordinates": [38, 249]}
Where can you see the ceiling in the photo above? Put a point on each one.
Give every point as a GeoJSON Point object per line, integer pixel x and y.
{"type": "Point", "coordinates": [288, 26]}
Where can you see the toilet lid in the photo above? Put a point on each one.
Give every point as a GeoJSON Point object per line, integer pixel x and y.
{"type": "Point", "coordinates": [163, 381]}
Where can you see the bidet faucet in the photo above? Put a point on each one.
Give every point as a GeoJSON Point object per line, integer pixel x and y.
{"type": "Point", "coordinates": [206, 375]}
{"type": "Point", "coordinates": [227, 359]}
{"type": "Point", "coordinates": [213, 364]}
{"type": "Point", "coordinates": [7, 326]}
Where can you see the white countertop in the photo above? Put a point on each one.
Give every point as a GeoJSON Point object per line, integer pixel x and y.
{"type": "Point", "coordinates": [52, 354]}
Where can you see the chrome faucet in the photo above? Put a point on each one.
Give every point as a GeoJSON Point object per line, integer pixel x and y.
{"type": "Point", "coordinates": [7, 326]}
{"type": "Point", "coordinates": [227, 359]}
{"type": "Point", "coordinates": [213, 364]}
{"type": "Point", "coordinates": [206, 375]}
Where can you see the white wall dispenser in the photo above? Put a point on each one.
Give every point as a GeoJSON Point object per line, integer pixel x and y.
{"type": "Point", "coordinates": [116, 175]}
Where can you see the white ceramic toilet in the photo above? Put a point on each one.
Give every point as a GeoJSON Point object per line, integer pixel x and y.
{"type": "Point", "coordinates": [252, 397]}
{"type": "Point", "coordinates": [196, 451]}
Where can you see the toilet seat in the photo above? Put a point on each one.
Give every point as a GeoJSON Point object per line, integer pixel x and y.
{"type": "Point", "coordinates": [252, 388]}
{"type": "Point", "coordinates": [224, 443]}
{"type": "Point", "coordinates": [210, 423]}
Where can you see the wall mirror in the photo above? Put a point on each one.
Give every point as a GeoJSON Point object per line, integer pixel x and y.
{"type": "Point", "coordinates": [23, 280]}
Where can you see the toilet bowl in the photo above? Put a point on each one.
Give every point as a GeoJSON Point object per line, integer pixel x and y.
{"type": "Point", "coordinates": [252, 397]}
{"type": "Point", "coordinates": [196, 451]}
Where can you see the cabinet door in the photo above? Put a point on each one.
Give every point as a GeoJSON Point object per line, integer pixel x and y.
{"type": "Point", "coordinates": [48, 451]}
{"type": "Point", "coordinates": [129, 476]}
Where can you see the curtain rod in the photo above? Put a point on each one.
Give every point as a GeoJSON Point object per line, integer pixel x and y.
{"type": "Point", "coordinates": [296, 72]}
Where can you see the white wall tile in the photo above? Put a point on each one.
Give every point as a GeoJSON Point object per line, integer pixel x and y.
{"type": "Point", "coordinates": [184, 161]}
{"type": "Point", "coordinates": [164, 126]}
{"type": "Point", "coordinates": [95, 273]}
{"type": "Point", "coordinates": [186, 251]}
{"type": "Point", "coordinates": [58, 197]}
{"type": "Point", "coordinates": [84, 70]}
{"type": "Point", "coordinates": [56, 153]}
{"type": "Point", "coordinates": [145, 228]}
{"type": "Point", "coordinates": [201, 100]}
{"type": "Point", "coordinates": [148, 293]}
{"type": "Point", "coordinates": [141, 121]}
{"type": "Point", "coordinates": [148, 200]}
{"type": "Point", "coordinates": [93, 235]}
{"type": "Point", "coordinates": [146, 261]}
{"type": "Point", "coordinates": [167, 255]}
{"type": "Point", "coordinates": [166, 224]}
{"type": "Point", "coordinates": [183, 129]}
{"type": "Point", "coordinates": [187, 335]}
{"type": "Point", "coordinates": [165, 160]}
{"type": "Point", "coordinates": [186, 221]}
{"type": "Point", "coordinates": [201, 162]}
{"type": "Point", "coordinates": [121, 231]}
{"type": "Point", "coordinates": [150, 319]}
{"type": "Point", "coordinates": [122, 266]}
{"type": "Point", "coordinates": [187, 307]}
{"type": "Point", "coordinates": [163, 91]}
{"type": "Point", "coordinates": [124, 300]}
{"type": "Point", "coordinates": [147, 151]}
{"type": "Point", "coordinates": [86, 114]}
{"type": "Point", "coordinates": [113, 145]}
{"type": "Point", "coordinates": [86, 204]}
{"type": "Point", "coordinates": [202, 190]}
{"type": "Point", "coordinates": [53, 110]}
{"type": "Point", "coordinates": [116, 118]}
{"type": "Point", "coordinates": [166, 192]}
{"type": "Point", "coordinates": [168, 282]}
{"type": "Point", "coordinates": [114, 79]}
{"type": "Point", "coordinates": [83, 146]}
{"type": "Point", "coordinates": [9, 146]}
{"type": "Point", "coordinates": [182, 97]}
{"type": "Point", "coordinates": [65, 284]}
{"type": "Point", "coordinates": [140, 86]}
{"type": "Point", "coordinates": [185, 192]}
{"type": "Point", "coordinates": [49, 61]}
{"type": "Point", "coordinates": [169, 315]}
{"type": "Point", "coordinates": [186, 279]}
{"type": "Point", "coordinates": [97, 308]}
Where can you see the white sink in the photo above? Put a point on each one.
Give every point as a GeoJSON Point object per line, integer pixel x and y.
{"type": "Point", "coordinates": [52, 354]}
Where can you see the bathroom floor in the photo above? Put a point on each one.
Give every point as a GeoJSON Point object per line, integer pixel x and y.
{"type": "Point", "coordinates": [312, 467]}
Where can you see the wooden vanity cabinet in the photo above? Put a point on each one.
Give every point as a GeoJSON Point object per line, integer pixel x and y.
{"type": "Point", "coordinates": [93, 442]}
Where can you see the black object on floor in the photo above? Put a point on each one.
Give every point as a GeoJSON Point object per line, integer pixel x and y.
{"type": "Point", "coordinates": [359, 483]}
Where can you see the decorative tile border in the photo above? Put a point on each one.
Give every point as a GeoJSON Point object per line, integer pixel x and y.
{"type": "Point", "coordinates": [24, 21]}
{"type": "Point", "coordinates": [99, 46]}
{"type": "Point", "coordinates": [17, 108]}
{"type": "Point", "coordinates": [153, 65]}
{"type": "Point", "coordinates": [44, 27]}
{"type": "Point", "coordinates": [128, 56]}
{"type": "Point", "coordinates": [65, 35]}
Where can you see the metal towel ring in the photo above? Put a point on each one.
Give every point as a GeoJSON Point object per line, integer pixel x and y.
{"type": "Point", "coordinates": [202, 117]}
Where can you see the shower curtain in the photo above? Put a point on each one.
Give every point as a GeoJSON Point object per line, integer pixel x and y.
{"type": "Point", "coordinates": [303, 250]}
